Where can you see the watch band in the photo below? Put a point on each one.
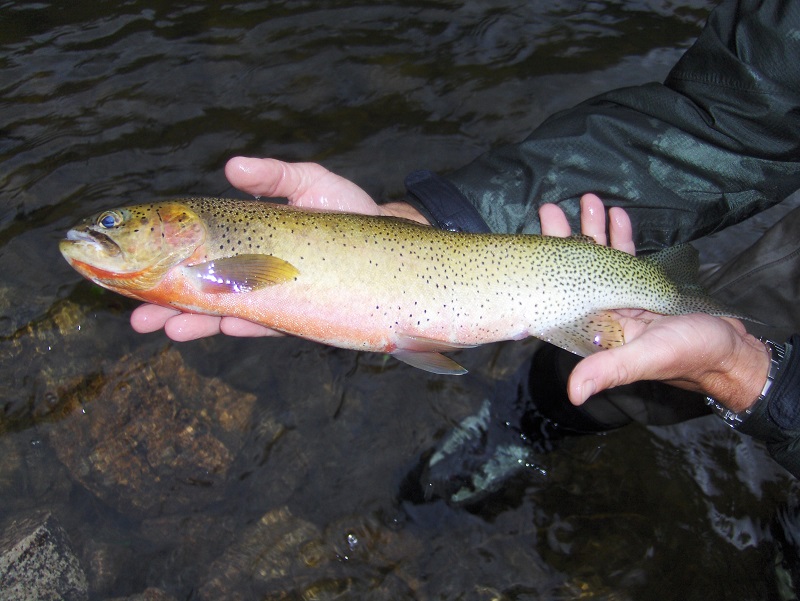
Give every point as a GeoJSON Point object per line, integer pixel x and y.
{"type": "Point", "coordinates": [777, 354]}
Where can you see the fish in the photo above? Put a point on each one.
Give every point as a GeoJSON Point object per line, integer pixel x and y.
{"type": "Point", "coordinates": [378, 284]}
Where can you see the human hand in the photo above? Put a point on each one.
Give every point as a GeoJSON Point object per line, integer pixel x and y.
{"type": "Point", "coordinates": [712, 355]}
{"type": "Point", "coordinates": [306, 185]}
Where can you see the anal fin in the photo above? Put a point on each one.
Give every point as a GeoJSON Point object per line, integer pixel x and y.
{"type": "Point", "coordinates": [430, 361]}
{"type": "Point", "coordinates": [588, 334]}
{"type": "Point", "coordinates": [606, 332]}
{"type": "Point", "coordinates": [426, 353]}
{"type": "Point", "coordinates": [410, 342]}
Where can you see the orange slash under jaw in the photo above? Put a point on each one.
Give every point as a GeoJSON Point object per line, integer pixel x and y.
{"type": "Point", "coordinates": [131, 281]}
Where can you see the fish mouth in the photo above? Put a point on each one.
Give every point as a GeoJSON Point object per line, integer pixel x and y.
{"type": "Point", "coordinates": [97, 241]}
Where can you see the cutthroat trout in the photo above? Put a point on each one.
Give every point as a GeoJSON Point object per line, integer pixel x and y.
{"type": "Point", "coordinates": [377, 283]}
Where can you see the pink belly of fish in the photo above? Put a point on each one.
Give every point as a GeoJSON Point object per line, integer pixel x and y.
{"type": "Point", "coordinates": [377, 318]}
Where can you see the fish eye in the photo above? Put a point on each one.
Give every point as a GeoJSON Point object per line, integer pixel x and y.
{"type": "Point", "coordinates": [109, 219]}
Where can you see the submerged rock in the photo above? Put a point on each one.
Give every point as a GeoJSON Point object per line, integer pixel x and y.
{"type": "Point", "coordinates": [105, 563]}
{"type": "Point", "coordinates": [71, 339]}
{"type": "Point", "coordinates": [151, 436]}
{"type": "Point", "coordinates": [37, 562]}
{"type": "Point", "coordinates": [30, 475]}
{"type": "Point", "coordinates": [150, 594]}
{"type": "Point", "coordinates": [275, 553]}
{"type": "Point", "coordinates": [285, 557]}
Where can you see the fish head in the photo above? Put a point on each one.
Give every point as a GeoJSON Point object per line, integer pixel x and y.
{"type": "Point", "coordinates": [132, 248]}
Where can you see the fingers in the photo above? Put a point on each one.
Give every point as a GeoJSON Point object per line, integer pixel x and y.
{"type": "Point", "coordinates": [697, 352]}
{"type": "Point", "coordinates": [307, 185]}
{"type": "Point", "coordinates": [593, 218]}
{"type": "Point", "coordinates": [593, 223]}
{"type": "Point", "coordinates": [657, 347]}
{"type": "Point", "coordinates": [553, 221]}
{"type": "Point", "coordinates": [233, 326]}
{"type": "Point", "coordinates": [185, 326]}
{"type": "Point", "coordinates": [178, 326]}
{"type": "Point", "coordinates": [620, 230]}
{"type": "Point", "coordinates": [182, 327]}
{"type": "Point", "coordinates": [150, 318]}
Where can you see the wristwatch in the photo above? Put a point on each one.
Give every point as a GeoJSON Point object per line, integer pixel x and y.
{"type": "Point", "coordinates": [777, 353]}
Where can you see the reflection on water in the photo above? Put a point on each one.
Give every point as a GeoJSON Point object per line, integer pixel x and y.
{"type": "Point", "coordinates": [244, 469]}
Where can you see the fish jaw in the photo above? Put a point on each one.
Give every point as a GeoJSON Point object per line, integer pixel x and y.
{"type": "Point", "coordinates": [130, 249]}
{"type": "Point", "coordinates": [89, 242]}
{"type": "Point", "coordinates": [99, 259]}
{"type": "Point", "coordinates": [97, 263]}
{"type": "Point", "coordinates": [83, 246]}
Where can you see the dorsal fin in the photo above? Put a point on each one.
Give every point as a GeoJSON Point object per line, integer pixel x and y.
{"type": "Point", "coordinates": [680, 263]}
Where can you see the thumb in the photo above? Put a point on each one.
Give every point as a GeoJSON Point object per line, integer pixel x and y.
{"type": "Point", "coordinates": [273, 178]}
{"type": "Point", "coordinates": [603, 370]}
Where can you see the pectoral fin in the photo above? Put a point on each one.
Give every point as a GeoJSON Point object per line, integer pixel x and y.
{"type": "Point", "coordinates": [425, 353]}
{"type": "Point", "coordinates": [588, 334]}
{"type": "Point", "coordinates": [241, 273]}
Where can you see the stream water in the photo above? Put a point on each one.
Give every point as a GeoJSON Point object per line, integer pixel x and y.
{"type": "Point", "coordinates": [276, 469]}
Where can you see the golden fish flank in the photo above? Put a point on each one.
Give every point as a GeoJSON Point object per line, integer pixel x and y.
{"type": "Point", "coordinates": [376, 283]}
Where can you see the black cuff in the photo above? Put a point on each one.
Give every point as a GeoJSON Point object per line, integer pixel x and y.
{"type": "Point", "coordinates": [442, 204]}
{"type": "Point", "coordinates": [775, 420]}
{"type": "Point", "coordinates": [784, 398]}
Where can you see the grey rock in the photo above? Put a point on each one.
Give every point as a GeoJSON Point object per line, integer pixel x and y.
{"type": "Point", "coordinates": [37, 562]}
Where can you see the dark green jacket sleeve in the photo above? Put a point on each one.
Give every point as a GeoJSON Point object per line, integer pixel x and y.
{"type": "Point", "coordinates": [716, 143]}
{"type": "Point", "coordinates": [775, 419]}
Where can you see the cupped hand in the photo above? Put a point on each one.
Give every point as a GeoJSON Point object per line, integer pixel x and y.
{"type": "Point", "coordinates": [306, 185]}
{"type": "Point", "coordinates": [711, 355]}
{"type": "Point", "coordinates": [702, 353]}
